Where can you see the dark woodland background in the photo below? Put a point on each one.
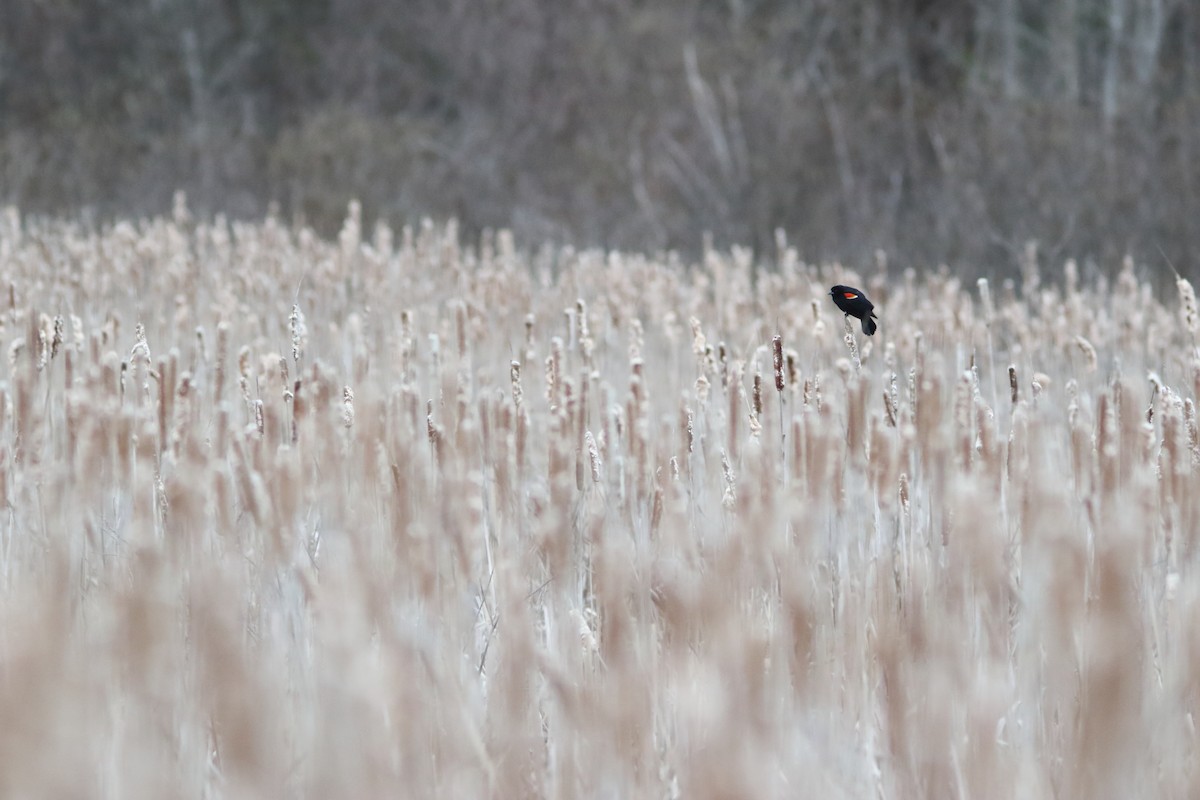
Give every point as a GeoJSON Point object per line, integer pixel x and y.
{"type": "Point", "coordinates": [937, 130]}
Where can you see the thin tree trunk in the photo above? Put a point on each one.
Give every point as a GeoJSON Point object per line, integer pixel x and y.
{"type": "Point", "coordinates": [1111, 88]}
{"type": "Point", "coordinates": [201, 114]}
{"type": "Point", "coordinates": [841, 153]}
{"type": "Point", "coordinates": [1010, 53]}
{"type": "Point", "coordinates": [1064, 52]}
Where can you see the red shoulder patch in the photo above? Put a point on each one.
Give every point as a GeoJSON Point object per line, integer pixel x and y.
{"type": "Point", "coordinates": [849, 295]}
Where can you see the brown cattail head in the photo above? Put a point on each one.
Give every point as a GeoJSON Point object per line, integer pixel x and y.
{"type": "Point", "coordinates": [299, 332]}
{"type": "Point", "coordinates": [1187, 306]}
{"type": "Point", "coordinates": [757, 391]}
{"type": "Point", "coordinates": [1089, 353]}
{"type": "Point", "coordinates": [593, 456]}
{"type": "Point", "coordinates": [852, 344]}
{"type": "Point", "coordinates": [777, 360]}
{"type": "Point", "coordinates": [347, 407]}
{"type": "Point", "coordinates": [514, 373]}
{"type": "Point", "coordinates": [985, 300]}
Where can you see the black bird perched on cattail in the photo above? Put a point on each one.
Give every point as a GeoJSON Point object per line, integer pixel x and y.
{"type": "Point", "coordinates": [855, 304]}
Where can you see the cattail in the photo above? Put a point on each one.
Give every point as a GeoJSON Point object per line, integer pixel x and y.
{"type": "Point", "coordinates": [637, 338]}
{"type": "Point", "coordinates": [180, 214]}
{"type": "Point", "coordinates": [43, 335]}
{"type": "Point", "coordinates": [844, 368]}
{"type": "Point", "coordinates": [57, 337]}
{"type": "Point", "coordinates": [23, 411]}
{"type": "Point", "coordinates": [778, 364]}
{"type": "Point", "coordinates": [736, 397]}
{"type": "Point", "coordinates": [259, 421]}
{"type": "Point", "coordinates": [434, 433]}
{"type": "Point", "coordinates": [201, 344]}
{"type": "Point", "coordinates": [139, 335]}
{"type": "Point", "coordinates": [985, 300]}
{"type": "Point", "coordinates": [757, 391]}
{"type": "Point", "coordinates": [1193, 428]}
{"type": "Point", "coordinates": [964, 419]}
{"type": "Point", "coordinates": [14, 353]}
{"type": "Point", "coordinates": [729, 496]}
{"type": "Point", "coordinates": [1156, 387]}
{"type": "Point", "coordinates": [284, 380]}
{"type": "Point", "coordinates": [521, 439]}
{"type": "Point", "coordinates": [881, 261]}
{"type": "Point", "coordinates": [568, 410]}
{"type": "Point", "coordinates": [166, 396]}
{"type": "Point", "coordinates": [244, 373]}
{"type": "Point", "coordinates": [585, 383]}
{"type": "Point", "coordinates": [818, 329]}
{"type": "Point", "coordinates": [514, 373]}
{"type": "Point", "coordinates": [299, 332]}
{"type": "Point", "coordinates": [407, 345]}
{"type": "Point", "coordinates": [1169, 460]}
{"type": "Point", "coordinates": [1089, 352]}
{"type": "Point", "coordinates": [119, 368]}
{"type": "Point", "coordinates": [985, 442]}
{"type": "Point", "coordinates": [852, 344]}
{"type": "Point", "coordinates": [1107, 445]}
{"type": "Point", "coordinates": [699, 345]}
{"type": "Point", "coordinates": [777, 360]}
{"type": "Point", "coordinates": [222, 355]}
{"type": "Point", "coordinates": [1030, 272]}
{"type": "Point", "coordinates": [350, 237]}
{"type": "Point", "coordinates": [582, 320]}
{"type": "Point", "coordinates": [435, 358]}
{"type": "Point", "coordinates": [347, 407]}
{"type": "Point", "coordinates": [460, 328]}
{"type": "Point", "coordinates": [77, 336]}
{"type": "Point", "coordinates": [1187, 305]}
{"type": "Point", "coordinates": [593, 456]}
{"type": "Point", "coordinates": [554, 363]}
{"type": "Point", "coordinates": [856, 438]}
{"type": "Point", "coordinates": [572, 329]}
{"type": "Point", "coordinates": [568, 546]}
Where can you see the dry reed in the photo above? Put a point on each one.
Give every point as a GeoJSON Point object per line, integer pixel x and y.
{"type": "Point", "coordinates": [365, 564]}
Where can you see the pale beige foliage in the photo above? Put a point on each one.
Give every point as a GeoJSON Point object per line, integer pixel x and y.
{"type": "Point", "coordinates": [380, 567]}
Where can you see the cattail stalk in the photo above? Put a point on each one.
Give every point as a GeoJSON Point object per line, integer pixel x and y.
{"type": "Point", "coordinates": [1188, 311]}
{"type": "Point", "coordinates": [852, 344]}
{"type": "Point", "coordinates": [777, 362]}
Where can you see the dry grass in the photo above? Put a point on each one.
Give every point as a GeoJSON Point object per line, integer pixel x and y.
{"type": "Point", "coordinates": [395, 517]}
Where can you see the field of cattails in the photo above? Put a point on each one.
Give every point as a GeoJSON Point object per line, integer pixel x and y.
{"type": "Point", "coordinates": [404, 514]}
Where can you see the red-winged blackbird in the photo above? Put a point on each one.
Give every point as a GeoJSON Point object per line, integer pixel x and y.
{"type": "Point", "coordinates": [855, 304]}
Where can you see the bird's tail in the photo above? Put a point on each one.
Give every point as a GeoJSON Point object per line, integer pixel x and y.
{"type": "Point", "coordinates": [869, 326]}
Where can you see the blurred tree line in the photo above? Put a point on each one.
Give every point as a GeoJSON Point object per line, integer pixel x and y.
{"type": "Point", "coordinates": [938, 130]}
